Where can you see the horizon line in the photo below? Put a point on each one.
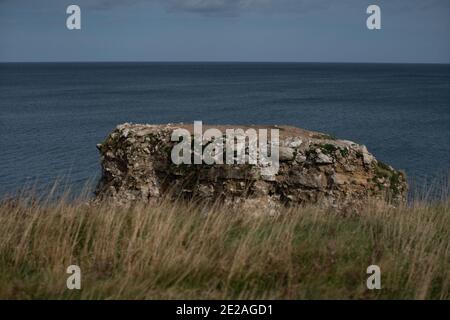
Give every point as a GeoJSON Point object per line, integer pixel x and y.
{"type": "Point", "coordinates": [223, 61]}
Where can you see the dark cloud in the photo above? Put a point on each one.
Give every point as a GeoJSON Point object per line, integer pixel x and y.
{"type": "Point", "coordinates": [229, 8]}
{"type": "Point", "coordinates": [209, 7]}
{"type": "Point", "coordinates": [235, 7]}
{"type": "Point", "coordinates": [226, 8]}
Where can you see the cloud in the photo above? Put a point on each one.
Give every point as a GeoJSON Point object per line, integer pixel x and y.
{"type": "Point", "coordinates": [232, 8]}
{"type": "Point", "coordinates": [225, 8]}
{"type": "Point", "coordinates": [236, 7]}
{"type": "Point", "coordinates": [201, 7]}
{"type": "Point", "coordinates": [210, 7]}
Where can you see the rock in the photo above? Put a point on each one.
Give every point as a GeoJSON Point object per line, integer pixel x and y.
{"type": "Point", "coordinates": [286, 154]}
{"type": "Point", "coordinates": [300, 158]}
{"type": "Point", "coordinates": [293, 142]}
{"type": "Point", "coordinates": [336, 174]}
{"type": "Point", "coordinates": [367, 157]}
{"type": "Point", "coordinates": [323, 158]}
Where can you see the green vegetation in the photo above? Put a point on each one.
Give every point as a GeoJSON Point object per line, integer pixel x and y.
{"type": "Point", "coordinates": [328, 149]}
{"type": "Point", "coordinates": [187, 250]}
{"type": "Point", "coordinates": [344, 152]}
{"type": "Point", "coordinates": [382, 170]}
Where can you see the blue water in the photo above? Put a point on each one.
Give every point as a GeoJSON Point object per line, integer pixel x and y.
{"type": "Point", "coordinates": [53, 115]}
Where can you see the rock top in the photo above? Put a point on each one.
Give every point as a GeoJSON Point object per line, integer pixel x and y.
{"type": "Point", "coordinates": [314, 168]}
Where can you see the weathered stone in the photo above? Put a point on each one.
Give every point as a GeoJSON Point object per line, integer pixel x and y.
{"type": "Point", "coordinates": [338, 174]}
{"type": "Point", "coordinates": [323, 158]}
{"type": "Point", "coordinates": [293, 142]}
{"type": "Point", "coordinates": [300, 158]}
{"type": "Point", "coordinates": [367, 157]}
{"type": "Point", "coordinates": [286, 154]}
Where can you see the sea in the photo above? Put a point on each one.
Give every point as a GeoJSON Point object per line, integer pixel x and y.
{"type": "Point", "coordinates": [52, 115]}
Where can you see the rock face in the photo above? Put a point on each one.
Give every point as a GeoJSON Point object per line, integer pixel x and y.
{"type": "Point", "coordinates": [314, 168]}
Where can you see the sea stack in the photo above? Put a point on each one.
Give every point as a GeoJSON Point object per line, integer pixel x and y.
{"type": "Point", "coordinates": [314, 169]}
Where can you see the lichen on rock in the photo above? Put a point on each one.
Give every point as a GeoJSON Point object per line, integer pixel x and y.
{"type": "Point", "coordinates": [314, 169]}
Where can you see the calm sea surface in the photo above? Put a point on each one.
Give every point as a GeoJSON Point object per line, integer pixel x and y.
{"type": "Point", "coordinates": [53, 115]}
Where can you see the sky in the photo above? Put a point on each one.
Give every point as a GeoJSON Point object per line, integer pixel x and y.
{"type": "Point", "coordinates": [412, 31]}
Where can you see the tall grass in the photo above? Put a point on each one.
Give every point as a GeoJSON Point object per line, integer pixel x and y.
{"type": "Point", "coordinates": [179, 250]}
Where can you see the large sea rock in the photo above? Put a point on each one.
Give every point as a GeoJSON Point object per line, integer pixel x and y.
{"type": "Point", "coordinates": [314, 168]}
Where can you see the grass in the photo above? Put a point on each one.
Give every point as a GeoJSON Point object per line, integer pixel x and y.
{"type": "Point", "coordinates": [192, 251]}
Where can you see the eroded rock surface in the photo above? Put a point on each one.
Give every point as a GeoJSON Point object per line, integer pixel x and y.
{"type": "Point", "coordinates": [314, 169]}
